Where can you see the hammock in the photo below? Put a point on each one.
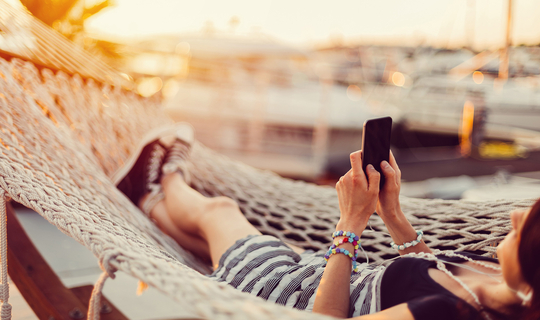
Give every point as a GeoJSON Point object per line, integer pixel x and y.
{"type": "Point", "coordinates": [62, 137]}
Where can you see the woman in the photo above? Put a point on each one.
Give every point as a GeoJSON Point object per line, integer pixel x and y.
{"type": "Point", "coordinates": [418, 286]}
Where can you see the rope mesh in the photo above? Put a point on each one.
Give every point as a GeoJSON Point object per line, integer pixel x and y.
{"type": "Point", "coordinates": [62, 137]}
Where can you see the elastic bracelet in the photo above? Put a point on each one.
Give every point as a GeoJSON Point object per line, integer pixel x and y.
{"type": "Point", "coordinates": [346, 252]}
{"type": "Point", "coordinates": [341, 233]}
{"type": "Point", "coordinates": [352, 237]}
{"type": "Point", "coordinates": [348, 237]}
{"type": "Point", "coordinates": [355, 243]}
{"type": "Point", "coordinates": [413, 243]}
{"type": "Point", "coordinates": [333, 251]}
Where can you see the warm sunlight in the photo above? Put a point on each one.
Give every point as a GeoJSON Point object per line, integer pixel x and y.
{"type": "Point", "coordinates": [398, 79]}
{"type": "Point", "coordinates": [478, 77]}
{"type": "Point", "coordinates": [438, 23]}
{"type": "Point", "coordinates": [215, 157]}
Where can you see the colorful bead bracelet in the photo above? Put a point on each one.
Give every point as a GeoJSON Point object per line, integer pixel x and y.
{"type": "Point", "coordinates": [352, 238]}
{"type": "Point", "coordinates": [349, 237]}
{"type": "Point", "coordinates": [336, 244]}
{"type": "Point", "coordinates": [406, 245]}
{"type": "Point", "coordinates": [341, 233]}
{"type": "Point", "coordinates": [345, 252]}
{"type": "Point", "coordinates": [343, 240]}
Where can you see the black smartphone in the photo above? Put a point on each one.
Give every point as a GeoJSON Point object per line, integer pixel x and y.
{"type": "Point", "coordinates": [376, 143]}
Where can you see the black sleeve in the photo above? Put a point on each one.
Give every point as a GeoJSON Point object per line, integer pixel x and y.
{"type": "Point", "coordinates": [441, 307]}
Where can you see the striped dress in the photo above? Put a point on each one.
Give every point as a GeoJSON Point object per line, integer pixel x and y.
{"type": "Point", "coordinates": [266, 267]}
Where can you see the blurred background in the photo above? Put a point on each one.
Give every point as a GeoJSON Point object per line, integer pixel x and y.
{"type": "Point", "coordinates": [287, 85]}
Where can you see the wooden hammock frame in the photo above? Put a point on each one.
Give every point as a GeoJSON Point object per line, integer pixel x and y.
{"type": "Point", "coordinates": [40, 286]}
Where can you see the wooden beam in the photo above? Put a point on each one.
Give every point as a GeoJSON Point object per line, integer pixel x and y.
{"type": "Point", "coordinates": [39, 285]}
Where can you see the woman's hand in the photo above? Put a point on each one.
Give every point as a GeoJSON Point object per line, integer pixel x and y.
{"type": "Point", "coordinates": [388, 205]}
{"type": "Point", "coordinates": [389, 209]}
{"type": "Point", "coordinates": [357, 195]}
{"type": "Point", "coordinates": [357, 201]}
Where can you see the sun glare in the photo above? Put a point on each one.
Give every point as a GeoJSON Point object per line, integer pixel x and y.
{"type": "Point", "coordinates": [315, 21]}
{"type": "Point", "coordinates": [148, 86]}
{"type": "Point", "coordinates": [354, 93]}
{"type": "Point", "coordinates": [398, 79]}
{"type": "Point", "coordinates": [478, 77]}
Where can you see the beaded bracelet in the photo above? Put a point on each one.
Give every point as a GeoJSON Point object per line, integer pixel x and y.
{"type": "Point", "coordinates": [346, 252]}
{"type": "Point", "coordinates": [348, 237]}
{"type": "Point", "coordinates": [340, 233]}
{"type": "Point", "coordinates": [343, 240]}
{"type": "Point", "coordinates": [333, 251]}
{"type": "Point", "coordinates": [413, 243]}
{"type": "Point", "coordinates": [352, 238]}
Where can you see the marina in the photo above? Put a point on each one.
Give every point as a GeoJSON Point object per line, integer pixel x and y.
{"type": "Point", "coordinates": [277, 94]}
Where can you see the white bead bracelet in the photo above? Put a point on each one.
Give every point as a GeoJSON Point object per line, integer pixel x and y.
{"type": "Point", "coordinates": [420, 234]}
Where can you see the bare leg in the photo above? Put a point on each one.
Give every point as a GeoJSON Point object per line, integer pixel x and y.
{"type": "Point", "coordinates": [205, 226]}
{"type": "Point", "coordinates": [189, 242]}
{"type": "Point", "coordinates": [217, 221]}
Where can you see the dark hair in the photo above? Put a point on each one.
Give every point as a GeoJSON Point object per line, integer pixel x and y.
{"type": "Point", "coordinates": [528, 259]}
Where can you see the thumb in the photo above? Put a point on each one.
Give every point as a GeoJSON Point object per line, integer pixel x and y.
{"type": "Point", "coordinates": [388, 170]}
{"type": "Point", "coordinates": [374, 177]}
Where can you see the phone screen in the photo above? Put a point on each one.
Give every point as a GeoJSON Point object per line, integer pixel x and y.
{"type": "Point", "coordinates": [376, 143]}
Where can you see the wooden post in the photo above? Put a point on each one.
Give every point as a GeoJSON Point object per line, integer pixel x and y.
{"type": "Point", "coordinates": [40, 286]}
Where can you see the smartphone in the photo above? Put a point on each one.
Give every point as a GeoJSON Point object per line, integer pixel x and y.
{"type": "Point", "coordinates": [376, 144]}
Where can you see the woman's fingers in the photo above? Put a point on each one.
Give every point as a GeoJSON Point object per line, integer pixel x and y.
{"type": "Point", "coordinates": [388, 171]}
{"type": "Point", "coordinates": [342, 178]}
{"type": "Point", "coordinates": [392, 161]}
{"type": "Point", "coordinates": [356, 162]}
{"type": "Point", "coordinates": [374, 177]}
{"type": "Point", "coordinates": [394, 165]}
{"type": "Point", "coordinates": [357, 198]}
{"type": "Point", "coordinates": [356, 167]}
{"type": "Point", "coordinates": [347, 175]}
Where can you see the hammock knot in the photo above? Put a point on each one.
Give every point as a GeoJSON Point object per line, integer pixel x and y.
{"type": "Point", "coordinates": [105, 262]}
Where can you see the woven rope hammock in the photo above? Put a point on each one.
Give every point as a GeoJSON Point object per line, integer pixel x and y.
{"type": "Point", "coordinates": [61, 138]}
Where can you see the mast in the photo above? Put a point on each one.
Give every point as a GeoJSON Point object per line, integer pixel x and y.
{"type": "Point", "coordinates": [504, 60]}
{"type": "Point", "coordinates": [471, 23]}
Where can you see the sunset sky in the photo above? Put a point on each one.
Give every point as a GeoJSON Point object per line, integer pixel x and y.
{"type": "Point", "coordinates": [302, 22]}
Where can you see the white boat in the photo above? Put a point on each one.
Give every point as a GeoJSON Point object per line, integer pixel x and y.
{"type": "Point", "coordinates": [267, 108]}
{"type": "Point", "coordinates": [435, 104]}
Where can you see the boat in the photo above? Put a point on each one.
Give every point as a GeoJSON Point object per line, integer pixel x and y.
{"type": "Point", "coordinates": [435, 104]}
{"type": "Point", "coordinates": [267, 104]}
